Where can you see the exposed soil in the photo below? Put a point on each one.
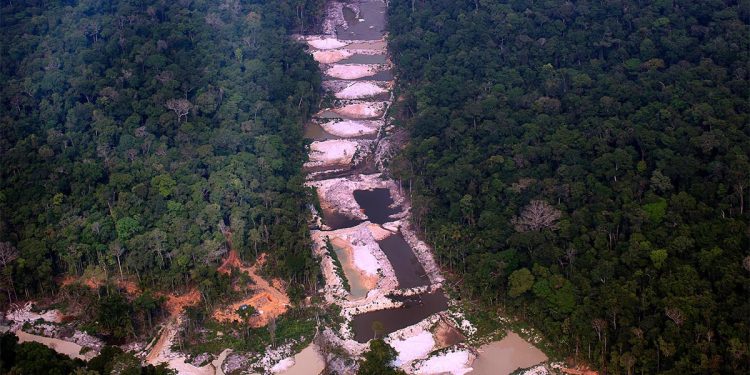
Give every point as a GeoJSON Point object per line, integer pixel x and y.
{"type": "Point", "coordinates": [268, 300]}
{"type": "Point", "coordinates": [446, 335]}
{"type": "Point", "coordinates": [129, 285]}
{"type": "Point", "coordinates": [175, 304]}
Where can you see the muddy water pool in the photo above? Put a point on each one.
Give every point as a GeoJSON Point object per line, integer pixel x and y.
{"type": "Point", "coordinates": [357, 286]}
{"type": "Point", "coordinates": [507, 355]}
{"type": "Point", "coordinates": [316, 132]}
{"type": "Point", "coordinates": [415, 309]}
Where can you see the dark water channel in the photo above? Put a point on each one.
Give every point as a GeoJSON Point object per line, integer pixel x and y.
{"type": "Point", "coordinates": [414, 310]}
{"type": "Point", "coordinates": [409, 271]}
{"type": "Point", "coordinates": [376, 204]}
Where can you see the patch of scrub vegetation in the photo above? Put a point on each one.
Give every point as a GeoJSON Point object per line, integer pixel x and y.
{"type": "Point", "coordinates": [337, 264]}
{"type": "Point", "coordinates": [204, 335]}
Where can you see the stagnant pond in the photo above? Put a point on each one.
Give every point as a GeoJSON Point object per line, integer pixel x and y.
{"type": "Point", "coordinates": [409, 271]}
{"type": "Point", "coordinates": [506, 356]}
{"type": "Point", "coordinates": [376, 204]}
{"type": "Point", "coordinates": [415, 309]}
{"type": "Point", "coordinates": [316, 132]}
{"type": "Point", "coordinates": [357, 286]}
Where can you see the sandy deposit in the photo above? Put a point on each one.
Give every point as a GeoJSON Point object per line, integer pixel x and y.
{"type": "Point", "coordinates": [331, 56]}
{"type": "Point", "coordinates": [334, 17]}
{"type": "Point", "coordinates": [331, 153]}
{"type": "Point", "coordinates": [20, 314]}
{"type": "Point", "coordinates": [366, 256]}
{"type": "Point", "coordinates": [414, 343]}
{"type": "Point", "coordinates": [326, 43]}
{"type": "Point", "coordinates": [539, 370]}
{"type": "Point", "coordinates": [379, 233]}
{"type": "Point", "coordinates": [451, 362]}
{"type": "Point", "coordinates": [365, 110]}
{"type": "Point", "coordinates": [362, 256]}
{"type": "Point", "coordinates": [351, 128]}
{"type": "Point", "coordinates": [446, 335]}
{"type": "Point", "coordinates": [379, 45]}
{"type": "Point", "coordinates": [414, 347]}
{"type": "Point", "coordinates": [423, 252]}
{"type": "Point", "coordinates": [361, 261]}
{"type": "Point", "coordinates": [360, 90]}
{"type": "Point", "coordinates": [338, 193]}
{"type": "Point", "coordinates": [283, 365]}
{"type": "Point", "coordinates": [353, 71]}
{"type": "Point", "coordinates": [162, 353]}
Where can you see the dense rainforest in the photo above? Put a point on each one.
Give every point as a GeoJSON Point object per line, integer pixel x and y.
{"type": "Point", "coordinates": [142, 139]}
{"type": "Point", "coordinates": [585, 167]}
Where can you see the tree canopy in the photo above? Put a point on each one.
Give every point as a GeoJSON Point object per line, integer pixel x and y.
{"type": "Point", "coordinates": [585, 165]}
{"type": "Point", "coordinates": [136, 137]}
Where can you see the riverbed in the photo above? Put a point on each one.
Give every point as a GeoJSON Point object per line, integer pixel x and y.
{"type": "Point", "coordinates": [363, 209]}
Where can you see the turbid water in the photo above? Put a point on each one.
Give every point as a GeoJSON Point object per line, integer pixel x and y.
{"type": "Point", "coordinates": [507, 355]}
{"type": "Point", "coordinates": [357, 287]}
{"type": "Point", "coordinates": [314, 131]}
{"type": "Point", "coordinates": [306, 362]}
{"type": "Point", "coordinates": [68, 348]}
{"type": "Point", "coordinates": [363, 41]}
{"type": "Point", "coordinates": [379, 76]}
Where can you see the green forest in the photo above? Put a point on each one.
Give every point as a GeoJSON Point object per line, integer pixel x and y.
{"type": "Point", "coordinates": [585, 167]}
{"type": "Point", "coordinates": [143, 139]}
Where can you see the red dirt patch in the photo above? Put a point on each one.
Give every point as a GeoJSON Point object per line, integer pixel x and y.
{"type": "Point", "coordinates": [269, 301]}
{"type": "Point", "coordinates": [175, 304]}
{"type": "Point", "coordinates": [446, 335]}
{"type": "Point", "coordinates": [94, 282]}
